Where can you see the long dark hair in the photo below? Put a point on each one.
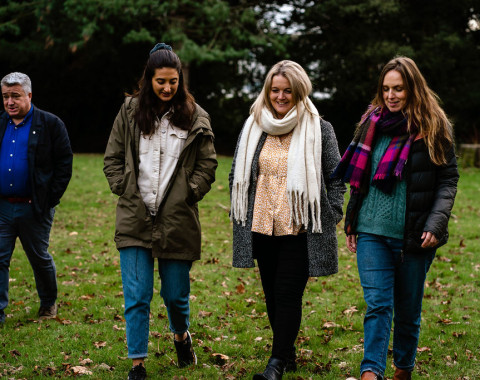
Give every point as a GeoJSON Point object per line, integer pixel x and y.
{"type": "Point", "coordinates": [150, 106]}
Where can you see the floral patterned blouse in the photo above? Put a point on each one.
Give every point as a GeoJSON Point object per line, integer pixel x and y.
{"type": "Point", "coordinates": [271, 213]}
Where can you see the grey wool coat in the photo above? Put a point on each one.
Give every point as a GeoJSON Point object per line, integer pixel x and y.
{"type": "Point", "coordinates": [322, 247]}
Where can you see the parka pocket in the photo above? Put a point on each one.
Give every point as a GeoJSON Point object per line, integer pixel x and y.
{"type": "Point", "coordinates": [191, 197]}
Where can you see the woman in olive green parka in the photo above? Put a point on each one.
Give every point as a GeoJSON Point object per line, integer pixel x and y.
{"type": "Point", "coordinates": [175, 231]}
{"type": "Point", "coordinates": [160, 160]}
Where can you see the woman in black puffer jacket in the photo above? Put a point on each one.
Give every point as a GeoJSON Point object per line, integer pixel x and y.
{"type": "Point", "coordinates": [403, 177]}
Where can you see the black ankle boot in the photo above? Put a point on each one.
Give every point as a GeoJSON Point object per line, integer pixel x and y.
{"type": "Point", "coordinates": [274, 370]}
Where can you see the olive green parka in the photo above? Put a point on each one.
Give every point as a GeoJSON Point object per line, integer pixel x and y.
{"type": "Point", "coordinates": [174, 233]}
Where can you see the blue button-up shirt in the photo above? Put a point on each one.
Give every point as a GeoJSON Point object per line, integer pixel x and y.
{"type": "Point", "coordinates": [14, 179]}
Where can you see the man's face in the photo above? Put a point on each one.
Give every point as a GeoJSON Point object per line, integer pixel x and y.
{"type": "Point", "coordinates": [16, 102]}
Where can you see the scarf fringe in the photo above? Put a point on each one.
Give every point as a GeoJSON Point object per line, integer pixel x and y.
{"type": "Point", "coordinates": [379, 177]}
{"type": "Point", "coordinates": [398, 172]}
{"type": "Point", "coordinates": [239, 202]}
{"type": "Point", "coordinates": [301, 208]}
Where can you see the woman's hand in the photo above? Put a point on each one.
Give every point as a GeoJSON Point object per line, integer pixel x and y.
{"type": "Point", "coordinates": [352, 243]}
{"type": "Point", "coordinates": [429, 240]}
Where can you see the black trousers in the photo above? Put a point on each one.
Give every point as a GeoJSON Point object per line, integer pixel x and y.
{"type": "Point", "coordinates": [283, 264]}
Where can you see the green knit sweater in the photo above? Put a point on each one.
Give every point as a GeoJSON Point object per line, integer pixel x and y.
{"type": "Point", "coordinates": [383, 214]}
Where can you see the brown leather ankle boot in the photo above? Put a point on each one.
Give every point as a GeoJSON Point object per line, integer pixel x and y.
{"type": "Point", "coordinates": [369, 375]}
{"type": "Point", "coordinates": [402, 374]}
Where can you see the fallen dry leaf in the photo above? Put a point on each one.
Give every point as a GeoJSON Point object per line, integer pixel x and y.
{"type": "Point", "coordinates": [15, 353]}
{"type": "Point", "coordinates": [330, 325]}
{"type": "Point", "coordinates": [86, 297]}
{"type": "Point", "coordinates": [350, 310]}
{"type": "Point", "coordinates": [444, 259]}
{"type": "Point", "coordinates": [447, 321]}
{"type": "Point", "coordinates": [423, 349]}
{"type": "Point", "coordinates": [343, 365]}
{"type": "Point", "coordinates": [220, 358]}
{"type": "Point", "coordinates": [79, 370]}
{"type": "Point", "coordinates": [105, 367]}
{"type": "Point", "coordinates": [240, 289]}
{"type": "Point", "coordinates": [250, 301]}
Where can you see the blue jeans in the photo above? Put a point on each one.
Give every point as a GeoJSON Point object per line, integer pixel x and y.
{"type": "Point", "coordinates": [392, 283]}
{"type": "Point", "coordinates": [137, 267]}
{"type": "Point", "coordinates": [18, 220]}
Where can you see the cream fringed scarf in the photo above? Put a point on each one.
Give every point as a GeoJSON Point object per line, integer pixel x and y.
{"type": "Point", "coordinates": [304, 170]}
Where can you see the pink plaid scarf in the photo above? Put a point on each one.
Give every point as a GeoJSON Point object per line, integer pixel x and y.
{"type": "Point", "coordinates": [354, 167]}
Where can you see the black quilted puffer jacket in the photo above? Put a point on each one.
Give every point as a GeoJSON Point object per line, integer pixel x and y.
{"type": "Point", "coordinates": [431, 191]}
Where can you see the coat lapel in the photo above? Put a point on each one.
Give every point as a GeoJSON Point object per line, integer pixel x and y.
{"type": "Point", "coordinates": [33, 137]}
{"type": "Point", "coordinates": [3, 125]}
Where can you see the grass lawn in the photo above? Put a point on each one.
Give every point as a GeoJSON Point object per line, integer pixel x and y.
{"type": "Point", "coordinates": [228, 317]}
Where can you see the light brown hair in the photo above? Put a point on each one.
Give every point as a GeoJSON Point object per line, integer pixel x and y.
{"type": "Point", "coordinates": [422, 108]}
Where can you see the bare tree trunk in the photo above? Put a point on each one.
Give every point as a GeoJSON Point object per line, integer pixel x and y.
{"type": "Point", "coordinates": [186, 72]}
{"type": "Point", "coordinates": [180, 21]}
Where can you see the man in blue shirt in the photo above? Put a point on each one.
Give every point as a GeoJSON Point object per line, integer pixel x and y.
{"type": "Point", "coordinates": [35, 168]}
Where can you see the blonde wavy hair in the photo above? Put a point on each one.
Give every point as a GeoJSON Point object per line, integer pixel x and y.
{"type": "Point", "coordinates": [299, 83]}
{"type": "Point", "coordinates": [422, 108]}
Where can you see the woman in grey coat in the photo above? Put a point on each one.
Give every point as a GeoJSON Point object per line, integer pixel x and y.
{"type": "Point", "coordinates": [284, 205]}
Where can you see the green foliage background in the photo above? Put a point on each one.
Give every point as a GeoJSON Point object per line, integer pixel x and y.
{"type": "Point", "coordinates": [83, 55]}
